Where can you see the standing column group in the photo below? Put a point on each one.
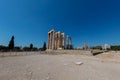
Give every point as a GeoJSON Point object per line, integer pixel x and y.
{"type": "Point", "coordinates": [51, 40]}
{"type": "Point", "coordinates": [57, 40]}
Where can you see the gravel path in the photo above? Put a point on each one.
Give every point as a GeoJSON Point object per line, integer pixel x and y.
{"type": "Point", "coordinates": [57, 67]}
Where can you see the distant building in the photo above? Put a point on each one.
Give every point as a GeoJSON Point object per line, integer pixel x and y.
{"type": "Point", "coordinates": [106, 46]}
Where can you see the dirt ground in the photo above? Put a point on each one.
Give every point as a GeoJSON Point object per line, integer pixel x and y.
{"type": "Point", "coordinates": [104, 66]}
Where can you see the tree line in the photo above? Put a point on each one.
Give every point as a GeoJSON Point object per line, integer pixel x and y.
{"type": "Point", "coordinates": [113, 47]}
{"type": "Point", "coordinates": [11, 47]}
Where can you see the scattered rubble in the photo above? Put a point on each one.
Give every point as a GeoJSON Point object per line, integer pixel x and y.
{"type": "Point", "coordinates": [78, 63]}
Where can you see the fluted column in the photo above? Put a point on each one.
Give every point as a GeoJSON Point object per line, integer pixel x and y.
{"type": "Point", "coordinates": [67, 42]}
{"type": "Point", "coordinates": [70, 42]}
{"type": "Point", "coordinates": [63, 42]}
{"type": "Point", "coordinates": [48, 40]}
{"type": "Point", "coordinates": [53, 39]}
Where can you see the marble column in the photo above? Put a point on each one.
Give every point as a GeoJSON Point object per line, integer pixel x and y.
{"type": "Point", "coordinates": [53, 39]}
{"type": "Point", "coordinates": [48, 40]}
{"type": "Point", "coordinates": [70, 43]}
{"type": "Point", "coordinates": [63, 40]}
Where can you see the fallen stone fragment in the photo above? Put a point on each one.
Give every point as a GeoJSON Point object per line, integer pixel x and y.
{"type": "Point", "coordinates": [78, 63]}
{"type": "Point", "coordinates": [65, 64]}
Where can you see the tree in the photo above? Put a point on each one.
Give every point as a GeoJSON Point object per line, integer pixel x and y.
{"type": "Point", "coordinates": [31, 46]}
{"type": "Point", "coordinates": [26, 48]}
{"type": "Point", "coordinates": [11, 43]}
{"type": "Point", "coordinates": [115, 47]}
{"type": "Point", "coordinates": [44, 46]}
{"type": "Point", "coordinates": [3, 48]}
{"type": "Point", "coordinates": [35, 49]}
{"type": "Point", "coordinates": [97, 47]}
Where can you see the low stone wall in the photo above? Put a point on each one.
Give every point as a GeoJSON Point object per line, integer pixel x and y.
{"type": "Point", "coordinates": [83, 52]}
{"type": "Point", "coordinates": [78, 52]}
{"type": "Point", "coordinates": [7, 54]}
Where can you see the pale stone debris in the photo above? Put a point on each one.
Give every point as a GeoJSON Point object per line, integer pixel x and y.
{"type": "Point", "coordinates": [78, 63]}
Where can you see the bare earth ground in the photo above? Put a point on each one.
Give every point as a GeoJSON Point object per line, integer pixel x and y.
{"type": "Point", "coordinates": [105, 66]}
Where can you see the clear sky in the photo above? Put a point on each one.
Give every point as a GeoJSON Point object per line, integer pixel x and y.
{"type": "Point", "coordinates": [93, 21]}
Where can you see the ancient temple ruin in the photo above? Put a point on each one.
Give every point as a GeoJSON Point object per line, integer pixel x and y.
{"type": "Point", "coordinates": [58, 40]}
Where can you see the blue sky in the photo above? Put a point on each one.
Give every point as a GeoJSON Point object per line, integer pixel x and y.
{"type": "Point", "coordinates": [93, 21]}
